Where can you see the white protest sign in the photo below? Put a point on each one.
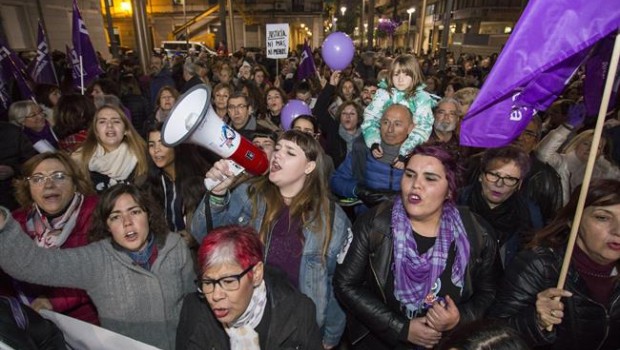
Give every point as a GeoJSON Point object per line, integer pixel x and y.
{"type": "Point", "coordinates": [277, 40]}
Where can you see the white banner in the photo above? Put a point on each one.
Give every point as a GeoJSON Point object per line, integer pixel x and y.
{"type": "Point", "coordinates": [82, 335]}
{"type": "Point", "coordinates": [277, 40]}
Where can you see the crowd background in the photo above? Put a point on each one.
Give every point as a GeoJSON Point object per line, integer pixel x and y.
{"type": "Point", "coordinates": [338, 185]}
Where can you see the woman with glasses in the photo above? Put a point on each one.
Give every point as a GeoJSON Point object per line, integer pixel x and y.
{"type": "Point", "coordinates": [240, 304]}
{"type": "Point", "coordinates": [57, 203]}
{"type": "Point", "coordinates": [30, 117]}
{"type": "Point", "coordinates": [497, 198]}
{"type": "Point", "coordinates": [339, 132]}
{"type": "Point", "coordinates": [135, 272]}
{"type": "Point", "coordinates": [290, 208]}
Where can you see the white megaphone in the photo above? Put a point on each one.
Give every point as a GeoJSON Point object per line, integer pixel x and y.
{"type": "Point", "coordinates": [192, 119]}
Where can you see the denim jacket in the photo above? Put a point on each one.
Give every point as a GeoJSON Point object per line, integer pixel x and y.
{"type": "Point", "coordinates": [315, 273]}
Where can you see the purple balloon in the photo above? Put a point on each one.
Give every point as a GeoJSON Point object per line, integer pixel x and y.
{"type": "Point", "coordinates": [338, 50]}
{"type": "Point", "coordinates": [292, 110]}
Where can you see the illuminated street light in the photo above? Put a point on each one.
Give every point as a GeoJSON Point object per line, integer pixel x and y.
{"type": "Point", "coordinates": [410, 11]}
{"type": "Point", "coordinates": [343, 9]}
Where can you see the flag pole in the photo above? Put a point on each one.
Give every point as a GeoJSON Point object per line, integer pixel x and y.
{"type": "Point", "coordinates": [81, 75]}
{"type": "Point", "coordinates": [611, 74]}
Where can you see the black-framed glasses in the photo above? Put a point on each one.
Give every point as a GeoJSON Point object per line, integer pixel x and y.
{"type": "Point", "coordinates": [238, 107]}
{"type": "Point", "coordinates": [227, 283]}
{"type": "Point", "coordinates": [58, 178]}
{"type": "Point", "coordinates": [509, 181]}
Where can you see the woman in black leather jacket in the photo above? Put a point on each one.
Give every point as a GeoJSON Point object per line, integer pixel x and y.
{"type": "Point", "coordinates": [588, 315]}
{"type": "Point", "coordinates": [417, 266]}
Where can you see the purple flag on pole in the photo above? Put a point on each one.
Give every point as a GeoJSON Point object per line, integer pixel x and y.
{"type": "Point", "coordinates": [549, 42]}
{"type": "Point", "coordinates": [13, 65]}
{"type": "Point", "coordinates": [43, 70]}
{"type": "Point", "coordinates": [74, 62]}
{"type": "Point", "coordinates": [596, 72]}
{"type": "Point", "coordinates": [306, 65]}
{"type": "Point", "coordinates": [84, 48]}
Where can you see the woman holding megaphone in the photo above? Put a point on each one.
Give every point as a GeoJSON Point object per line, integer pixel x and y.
{"type": "Point", "coordinates": [303, 231]}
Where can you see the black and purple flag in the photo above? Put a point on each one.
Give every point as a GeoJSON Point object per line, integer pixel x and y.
{"type": "Point", "coordinates": [549, 42]}
{"type": "Point", "coordinates": [13, 66]}
{"type": "Point", "coordinates": [89, 69]}
{"type": "Point", "coordinates": [5, 96]}
{"type": "Point", "coordinates": [306, 65]}
{"type": "Point", "coordinates": [43, 70]}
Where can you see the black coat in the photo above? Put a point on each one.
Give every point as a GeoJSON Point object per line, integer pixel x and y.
{"type": "Point", "coordinates": [336, 146]}
{"type": "Point", "coordinates": [292, 321]}
{"type": "Point", "coordinates": [360, 282]}
{"type": "Point", "coordinates": [24, 329]}
{"type": "Point", "coordinates": [15, 149]}
{"type": "Point", "coordinates": [586, 323]}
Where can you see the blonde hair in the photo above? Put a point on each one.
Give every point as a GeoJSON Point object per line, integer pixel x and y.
{"type": "Point", "coordinates": [410, 66]}
{"type": "Point", "coordinates": [580, 138]}
{"type": "Point", "coordinates": [19, 110]}
{"type": "Point", "coordinates": [311, 205]}
{"type": "Point", "coordinates": [466, 95]}
{"type": "Point", "coordinates": [134, 141]}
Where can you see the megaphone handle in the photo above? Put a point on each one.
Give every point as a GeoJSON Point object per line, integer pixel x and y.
{"type": "Point", "coordinates": [234, 167]}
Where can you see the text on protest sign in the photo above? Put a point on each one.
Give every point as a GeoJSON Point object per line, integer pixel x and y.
{"type": "Point", "coordinates": [277, 40]}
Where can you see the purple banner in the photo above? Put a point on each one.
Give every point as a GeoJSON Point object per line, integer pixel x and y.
{"type": "Point", "coordinates": [596, 74]}
{"type": "Point", "coordinates": [90, 69]}
{"type": "Point", "coordinates": [549, 42]}
{"type": "Point", "coordinates": [43, 70]}
{"type": "Point", "coordinates": [306, 65]}
{"type": "Point", "coordinates": [13, 66]}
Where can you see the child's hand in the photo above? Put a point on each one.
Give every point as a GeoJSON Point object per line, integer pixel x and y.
{"type": "Point", "coordinates": [398, 164]}
{"type": "Point", "coordinates": [376, 151]}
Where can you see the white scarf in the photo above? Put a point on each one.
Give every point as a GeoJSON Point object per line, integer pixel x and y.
{"type": "Point", "coordinates": [117, 165]}
{"type": "Point", "coordinates": [242, 334]}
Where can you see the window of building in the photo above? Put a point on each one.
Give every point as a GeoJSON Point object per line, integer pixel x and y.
{"type": "Point", "coordinates": [15, 21]}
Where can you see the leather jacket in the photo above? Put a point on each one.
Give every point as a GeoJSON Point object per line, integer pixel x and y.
{"type": "Point", "coordinates": [586, 323]}
{"type": "Point", "coordinates": [361, 280]}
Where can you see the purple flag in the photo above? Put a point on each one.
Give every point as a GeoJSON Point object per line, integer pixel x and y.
{"type": "Point", "coordinates": [596, 73]}
{"type": "Point", "coordinates": [84, 49]}
{"type": "Point", "coordinates": [306, 65]}
{"type": "Point", "coordinates": [5, 97]}
{"type": "Point", "coordinates": [13, 66]}
{"type": "Point", "coordinates": [549, 42]}
{"type": "Point", "coordinates": [43, 70]}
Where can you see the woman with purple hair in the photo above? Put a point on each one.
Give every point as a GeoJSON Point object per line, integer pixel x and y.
{"type": "Point", "coordinates": [417, 266]}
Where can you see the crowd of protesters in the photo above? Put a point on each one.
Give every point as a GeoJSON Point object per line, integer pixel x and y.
{"type": "Point", "coordinates": [372, 229]}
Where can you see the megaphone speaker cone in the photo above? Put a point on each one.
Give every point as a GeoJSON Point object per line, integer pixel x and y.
{"type": "Point", "coordinates": [187, 114]}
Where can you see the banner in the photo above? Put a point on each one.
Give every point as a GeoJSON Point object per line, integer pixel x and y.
{"type": "Point", "coordinates": [90, 69]}
{"type": "Point", "coordinates": [277, 40]}
{"type": "Point", "coordinates": [81, 335]}
{"type": "Point", "coordinates": [5, 96]}
{"type": "Point", "coordinates": [549, 42]}
{"type": "Point", "coordinates": [43, 70]}
{"type": "Point", "coordinates": [307, 68]}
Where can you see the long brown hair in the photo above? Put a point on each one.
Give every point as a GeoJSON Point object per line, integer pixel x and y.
{"type": "Point", "coordinates": [602, 192]}
{"type": "Point", "coordinates": [134, 141]}
{"type": "Point", "coordinates": [311, 205]}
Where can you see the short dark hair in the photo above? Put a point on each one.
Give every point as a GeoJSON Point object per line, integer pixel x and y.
{"type": "Point", "coordinates": [452, 168]}
{"type": "Point", "coordinates": [505, 155]}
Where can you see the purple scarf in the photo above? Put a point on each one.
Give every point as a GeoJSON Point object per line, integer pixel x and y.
{"type": "Point", "coordinates": [415, 274]}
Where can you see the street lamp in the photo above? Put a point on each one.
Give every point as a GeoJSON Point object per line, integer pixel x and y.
{"type": "Point", "coordinates": [410, 11]}
{"type": "Point", "coordinates": [343, 9]}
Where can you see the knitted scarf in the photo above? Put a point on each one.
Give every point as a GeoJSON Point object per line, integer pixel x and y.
{"type": "Point", "coordinates": [53, 233]}
{"type": "Point", "coordinates": [415, 274]}
{"type": "Point", "coordinates": [117, 165]}
{"type": "Point", "coordinates": [146, 256]}
{"type": "Point", "coordinates": [242, 334]}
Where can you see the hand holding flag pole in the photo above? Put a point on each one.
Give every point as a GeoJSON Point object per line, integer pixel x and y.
{"type": "Point", "coordinates": [590, 165]}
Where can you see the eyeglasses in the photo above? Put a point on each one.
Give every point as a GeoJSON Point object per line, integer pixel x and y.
{"type": "Point", "coordinates": [444, 112]}
{"type": "Point", "coordinates": [235, 108]}
{"type": "Point", "coordinates": [38, 113]}
{"type": "Point", "coordinates": [57, 178]}
{"type": "Point", "coordinates": [228, 283]}
{"type": "Point", "coordinates": [506, 180]}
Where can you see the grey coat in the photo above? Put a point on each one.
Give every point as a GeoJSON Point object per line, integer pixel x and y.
{"type": "Point", "coordinates": [143, 305]}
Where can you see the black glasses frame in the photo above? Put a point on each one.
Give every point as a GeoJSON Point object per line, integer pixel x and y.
{"type": "Point", "coordinates": [200, 283]}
